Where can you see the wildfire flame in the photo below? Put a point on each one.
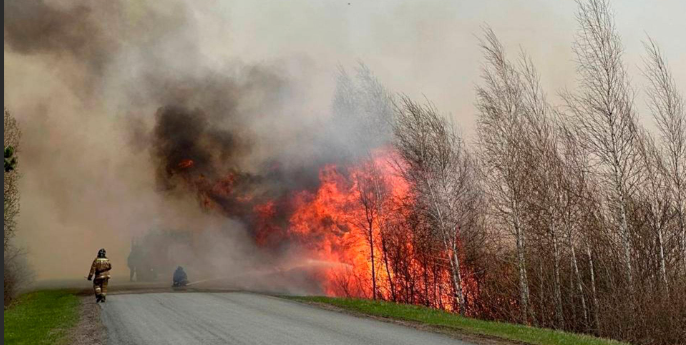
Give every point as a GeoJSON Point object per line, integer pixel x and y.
{"type": "Point", "coordinates": [333, 224]}
{"type": "Point", "coordinates": [355, 210]}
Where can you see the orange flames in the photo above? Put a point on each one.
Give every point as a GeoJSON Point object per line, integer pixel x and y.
{"type": "Point", "coordinates": [355, 210]}
{"type": "Point", "coordinates": [333, 225]}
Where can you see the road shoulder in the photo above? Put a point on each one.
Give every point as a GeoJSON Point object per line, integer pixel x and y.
{"type": "Point", "coordinates": [464, 337]}
{"type": "Point", "coordinates": [90, 329]}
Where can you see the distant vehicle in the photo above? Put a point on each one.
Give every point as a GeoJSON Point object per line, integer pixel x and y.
{"type": "Point", "coordinates": [180, 278]}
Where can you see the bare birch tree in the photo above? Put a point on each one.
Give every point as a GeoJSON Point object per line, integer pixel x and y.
{"type": "Point", "coordinates": [603, 111]}
{"type": "Point", "coordinates": [363, 106]}
{"type": "Point", "coordinates": [548, 192]}
{"type": "Point", "coordinates": [576, 198]}
{"type": "Point", "coordinates": [667, 107]}
{"type": "Point", "coordinates": [441, 171]}
{"type": "Point", "coordinates": [654, 193]}
{"type": "Point", "coordinates": [500, 125]}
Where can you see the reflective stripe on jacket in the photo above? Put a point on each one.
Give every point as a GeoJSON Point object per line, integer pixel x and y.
{"type": "Point", "coordinates": [100, 268]}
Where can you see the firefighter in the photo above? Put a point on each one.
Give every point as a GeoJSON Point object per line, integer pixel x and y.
{"type": "Point", "coordinates": [101, 270]}
{"type": "Point", "coordinates": [180, 277]}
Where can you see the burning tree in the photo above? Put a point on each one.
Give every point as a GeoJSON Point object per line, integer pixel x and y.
{"type": "Point", "coordinates": [441, 174]}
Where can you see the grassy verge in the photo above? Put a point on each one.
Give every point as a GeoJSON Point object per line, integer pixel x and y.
{"type": "Point", "coordinates": [433, 317]}
{"type": "Point", "coordinates": [41, 317]}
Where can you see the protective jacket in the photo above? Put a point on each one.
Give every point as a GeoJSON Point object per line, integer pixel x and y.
{"type": "Point", "coordinates": [100, 269]}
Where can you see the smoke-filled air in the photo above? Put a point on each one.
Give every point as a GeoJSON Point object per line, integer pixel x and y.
{"type": "Point", "coordinates": [514, 161]}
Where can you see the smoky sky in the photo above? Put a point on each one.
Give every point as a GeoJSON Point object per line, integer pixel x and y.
{"type": "Point", "coordinates": [203, 114]}
{"type": "Point", "coordinates": [123, 96]}
{"type": "Point", "coordinates": [36, 27]}
{"type": "Point", "coordinates": [131, 127]}
{"type": "Point", "coordinates": [112, 97]}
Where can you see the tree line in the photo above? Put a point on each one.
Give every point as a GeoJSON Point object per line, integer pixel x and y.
{"type": "Point", "coordinates": [569, 216]}
{"type": "Point", "coordinates": [15, 269]}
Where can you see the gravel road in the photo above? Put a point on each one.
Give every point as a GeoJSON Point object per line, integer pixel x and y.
{"type": "Point", "coordinates": [244, 318]}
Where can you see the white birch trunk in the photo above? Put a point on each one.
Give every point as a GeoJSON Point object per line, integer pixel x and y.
{"type": "Point", "coordinates": [521, 264]}
{"type": "Point", "coordinates": [580, 285]}
{"type": "Point", "coordinates": [558, 294]}
{"type": "Point", "coordinates": [596, 306]}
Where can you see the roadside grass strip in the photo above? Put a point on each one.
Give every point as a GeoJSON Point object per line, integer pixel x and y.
{"type": "Point", "coordinates": [434, 317]}
{"type": "Point", "coordinates": [41, 317]}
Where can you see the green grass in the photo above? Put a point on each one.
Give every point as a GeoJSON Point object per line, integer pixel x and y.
{"type": "Point", "coordinates": [41, 317]}
{"type": "Point", "coordinates": [530, 335]}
